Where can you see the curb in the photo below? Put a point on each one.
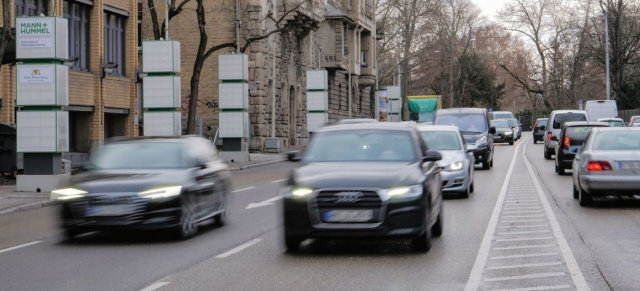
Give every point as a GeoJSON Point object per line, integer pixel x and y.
{"type": "Point", "coordinates": [30, 206]}
{"type": "Point", "coordinates": [257, 165]}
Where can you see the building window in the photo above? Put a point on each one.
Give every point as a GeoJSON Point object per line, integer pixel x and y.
{"type": "Point", "coordinates": [114, 46]}
{"type": "Point", "coordinates": [31, 7]}
{"type": "Point", "coordinates": [78, 15]}
{"type": "Point", "coordinates": [363, 58]}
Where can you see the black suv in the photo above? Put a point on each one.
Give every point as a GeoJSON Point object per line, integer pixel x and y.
{"type": "Point", "coordinates": [474, 126]}
{"type": "Point", "coordinates": [364, 180]}
{"type": "Point", "coordinates": [570, 140]}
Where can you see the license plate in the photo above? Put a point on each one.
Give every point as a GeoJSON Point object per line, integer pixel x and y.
{"type": "Point", "coordinates": [629, 165]}
{"type": "Point", "coordinates": [109, 210]}
{"type": "Point", "coordinates": [348, 215]}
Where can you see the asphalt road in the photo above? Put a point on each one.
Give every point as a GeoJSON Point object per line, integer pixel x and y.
{"type": "Point", "coordinates": [603, 244]}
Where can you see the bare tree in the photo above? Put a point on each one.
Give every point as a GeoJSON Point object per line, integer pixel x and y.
{"type": "Point", "coordinates": [5, 33]}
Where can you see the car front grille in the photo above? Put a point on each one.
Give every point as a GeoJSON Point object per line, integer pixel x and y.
{"type": "Point", "coordinates": [349, 199]}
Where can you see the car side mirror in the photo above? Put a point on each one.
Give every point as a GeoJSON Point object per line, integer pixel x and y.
{"type": "Point", "coordinates": [492, 130]}
{"type": "Point", "coordinates": [470, 150]}
{"type": "Point", "coordinates": [554, 138]}
{"type": "Point", "coordinates": [432, 156]}
{"type": "Point", "coordinates": [293, 156]}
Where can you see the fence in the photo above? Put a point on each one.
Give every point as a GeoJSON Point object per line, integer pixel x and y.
{"type": "Point", "coordinates": [626, 114]}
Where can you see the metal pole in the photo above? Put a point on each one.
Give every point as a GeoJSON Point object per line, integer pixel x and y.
{"type": "Point", "coordinates": [238, 27]}
{"type": "Point", "coordinates": [273, 83]}
{"type": "Point", "coordinates": [377, 101]}
{"type": "Point", "coordinates": [166, 26]}
{"type": "Point", "coordinates": [606, 33]}
{"type": "Point", "coordinates": [200, 125]}
{"type": "Point", "coordinates": [349, 80]}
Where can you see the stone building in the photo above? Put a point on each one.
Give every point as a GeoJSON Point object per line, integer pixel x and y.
{"type": "Point", "coordinates": [336, 35]}
{"type": "Point", "coordinates": [102, 102]}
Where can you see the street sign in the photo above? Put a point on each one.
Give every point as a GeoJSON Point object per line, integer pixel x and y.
{"type": "Point", "coordinates": [580, 104]}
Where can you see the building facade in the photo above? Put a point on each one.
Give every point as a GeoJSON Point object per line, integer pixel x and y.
{"type": "Point", "coordinates": [103, 53]}
{"type": "Point", "coordinates": [335, 35]}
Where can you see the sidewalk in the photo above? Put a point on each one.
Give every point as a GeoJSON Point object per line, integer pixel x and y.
{"type": "Point", "coordinates": [13, 201]}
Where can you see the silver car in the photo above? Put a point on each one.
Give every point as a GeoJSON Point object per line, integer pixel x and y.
{"type": "Point", "coordinates": [608, 164]}
{"type": "Point", "coordinates": [457, 157]}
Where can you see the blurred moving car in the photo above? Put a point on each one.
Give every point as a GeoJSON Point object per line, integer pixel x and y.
{"type": "Point", "coordinates": [505, 132]}
{"type": "Point", "coordinates": [571, 139]}
{"type": "Point", "coordinates": [502, 115]}
{"type": "Point", "coordinates": [147, 183]}
{"type": "Point", "coordinates": [364, 180]}
{"type": "Point", "coordinates": [517, 128]}
{"type": "Point", "coordinates": [613, 122]}
{"type": "Point", "coordinates": [539, 129]}
{"type": "Point", "coordinates": [555, 123]}
{"type": "Point", "coordinates": [474, 125]}
{"type": "Point", "coordinates": [608, 164]}
{"type": "Point", "coordinates": [457, 159]}
{"type": "Point", "coordinates": [634, 121]}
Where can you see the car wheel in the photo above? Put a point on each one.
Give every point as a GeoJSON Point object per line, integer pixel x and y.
{"type": "Point", "coordinates": [491, 163]}
{"type": "Point", "coordinates": [436, 229]}
{"type": "Point", "coordinates": [561, 170]}
{"type": "Point", "coordinates": [485, 165]}
{"type": "Point", "coordinates": [584, 198]}
{"type": "Point", "coordinates": [575, 192]}
{"type": "Point", "coordinates": [465, 193]}
{"type": "Point", "coordinates": [221, 218]}
{"type": "Point", "coordinates": [510, 143]}
{"type": "Point", "coordinates": [535, 141]}
{"type": "Point", "coordinates": [556, 168]}
{"type": "Point", "coordinates": [471, 188]}
{"type": "Point", "coordinates": [292, 243]}
{"type": "Point", "coordinates": [188, 226]}
{"type": "Point", "coordinates": [547, 155]}
{"type": "Point", "coordinates": [422, 243]}
{"type": "Point", "coordinates": [70, 233]}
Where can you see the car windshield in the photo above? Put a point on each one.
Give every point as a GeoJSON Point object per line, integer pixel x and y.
{"type": "Point", "coordinates": [363, 146]}
{"type": "Point", "coordinates": [471, 122]}
{"type": "Point", "coordinates": [441, 140]}
{"type": "Point", "coordinates": [502, 115]}
{"type": "Point", "coordinates": [578, 132]}
{"type": "Point", "coordinates": [512, 122]}
{"type": "Point", "coordinates": [561, 118]}
{"type": "Point", "coordinates": [499, 123]}
{"type": "Point", "coordinates": [617, 140]}
{"type": "Point", "coordinates": [615, 123]}
{"type": "Point", "coordinates": [542, 122]}
{"type": "Point", "coordinates": [139, 155]}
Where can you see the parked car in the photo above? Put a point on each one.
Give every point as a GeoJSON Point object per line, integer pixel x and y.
{"type": "Point", "coordinates": [502, 115]}
{"type": "Point", "coordinates": [457, 159]}
{"type": "Point", "coordinates": [597, 109]}
{"type": "Point", "coordinates": [505, 132]}
{"type": "Point", "coordinates": [634, 121]}
{"type": "Point", "coordinates": [613, 122]}
{"type": "Point", "coordinates": [539, 129]}
{"type": "Point", "coordinates": [608, 164]}
{"type": "Point", "coordinates": [364, 180]}
{"type": "Point", "coordinates": [475, 127]}
{"type": "Point", "coordinates": [147, 183]}
{"type": "Point", "coordinates": [555, 123]}
{"type": "Point", "coordinates": [571, 139]}
{"type": "Point", "coordinates": [517, 127]}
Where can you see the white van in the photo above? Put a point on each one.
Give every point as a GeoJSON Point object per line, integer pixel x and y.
{"type": "Point", "coordinates": [601, 109]}
{"type": "Point", "coordinates": [554, 126]}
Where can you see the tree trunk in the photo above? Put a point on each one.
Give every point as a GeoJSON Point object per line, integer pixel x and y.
{"type": "Point", "coordinates": [197, 69]}
{"type": "Point", "coordinates": [5, 34]}
{"type": "Point", "coordinates": [154, 20]}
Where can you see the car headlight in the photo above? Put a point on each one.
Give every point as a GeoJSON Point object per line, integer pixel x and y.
{"type": "Point", "coordinates": [405, 191]}
{"type": "Point", "coordinates": [508, 133]}
{"type": "Point", "coordinates": [67, 194]}
{"type": "Point", "coordinates": [454, 167]}
{"type": "Point", "coordinates": [296, 191]}
{"type": "Point", "coordinates": [481, 141]}
{"type": "Point", "coordinates": [162, 192]}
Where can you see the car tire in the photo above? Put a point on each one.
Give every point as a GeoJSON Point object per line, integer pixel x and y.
{"type": "Point", "coordinates": [547, 155]}
{"type": "Point", "coordinates": [188, 226]}
{"type": "Point", "coordinates": [575, 192]}
{"type": "Point", "coordinates": [535, 141]}
{"type": "Point", "coordinates": [465, 193]}
{"type": "Point", "coordinates": [510, 143]}
{"type": "Point", "coordinates": [584, 198]}
{"type": "Point", "coordinates": [561, 170]}
{"type": "Point", "coordinates": [70, 233]}
{"type": "Point", "coordinates": [486, 166]}
{"type": "Point", "coordinates": [437, 229]}
{"type": "Point", "coordinates": [292, 243]}
{"type": "Point", "coordinates": [221, 218]}
{"type": "Point", "coordinates": [422, 243]}
{"type": "Point", "coordinates": [471, 188]}
{"type": "Point", "coordinates": [491, 163]}
{"type": "Point", "coordinates": [556, 168]}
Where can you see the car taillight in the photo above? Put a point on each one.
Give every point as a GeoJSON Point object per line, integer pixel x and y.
{"type": "Point", "coordinates": [567, 142]}
{"type": "Point", "coordinates": [549, 135]}
{"type": "Point", "coordinates": [598, 166]}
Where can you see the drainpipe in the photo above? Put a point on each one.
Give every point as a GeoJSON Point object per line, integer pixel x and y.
{"type": "Point", "coordinates": [166, 27]}
{"type": "Point", "coordinates": [238, 27]}
{"type": "Point", "coordinates": [273, 89]}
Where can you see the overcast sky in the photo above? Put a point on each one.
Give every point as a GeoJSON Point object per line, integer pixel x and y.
{"type": "Point", "coordinates": [490, 7]}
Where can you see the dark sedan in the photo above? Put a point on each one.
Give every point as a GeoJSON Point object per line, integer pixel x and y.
{"type": "Point", "coordinates": [504, 132]}
{"type": "Point", "coordinates": [571, 139]}
{"type": "Point", "coordinates": [145, 184]}
{"type": "Point", "coordinates": [364, 180]}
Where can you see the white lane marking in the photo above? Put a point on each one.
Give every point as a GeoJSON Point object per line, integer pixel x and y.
{"type": "Point", "coordinates": [526, 238]}
{"type": "Point", "coordinates": [522, 203]}
{"type": "Point", "coordinates": [483, 253]}
{"type": "Point", "coordinates": [526, 247]}
{"type": "Point", "coordinates": [572, 264]}
{"type": "Point", "coordinates": [20, 246]}
{"type": "Point", "coordinates": [524, 226]}
{"type": "Point", "coordinates": [555, 287]}
{"type": "Point", "coordinates": [239, 248]}
{"type": "Point", "coordinates": [526, 211]}
{"type": "Point", "coordinates": [278, 181]}
{"type": "Point", "coordinates": [524, 256]}
{"type": "Point", "coordinates": [523, 216]}
{"type": "Point", "coordinates": [522, 207]}
{"type": "Point", "coordinates": [525, 266]}
{"type": "Point", "coordinates": [530, 276]}
{"type": "Point", "coordinates": [264, 203]}
{"type": "Point", "coordinates": [523, 232]}
{"type": "Point", "coordinates": [243, 189]}
{"type": "Point", "coordinates": [532, 220]}
{"type": "Point", "coordinates": [155, 286]}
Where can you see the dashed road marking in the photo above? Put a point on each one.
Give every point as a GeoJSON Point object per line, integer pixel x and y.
{"type": "Point", "coordinates": [526, 247]}
{"type": "Point", "coordinates": [239, 248]}
{"type": "Point", "coordinates": [538, 288]}
{"type": "Point", "coordinates": [525, 266]}
{"type": "Point", "coordinates": [522, 232]}
{"type": "Point", "coordinates": [155, 286]}
{"type": "Point", "coordinates": [524, 239]}
{"type": "Point", "coordinates": [524, 256]}
{"type": "Point", "coordinates": [20, 246]}
{"type": "Point", "coordinates": [243, 189]}
{"type": "Point", "coordinates": [530, 276]}
{"type": "Point", "coordinates": [278, 181]}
